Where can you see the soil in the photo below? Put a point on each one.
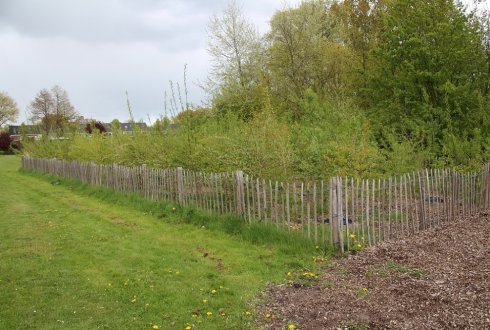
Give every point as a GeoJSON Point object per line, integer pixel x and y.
{"type": "Point", "coordinates": [439, 279]}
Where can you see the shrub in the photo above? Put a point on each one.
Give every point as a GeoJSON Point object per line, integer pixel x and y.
{"type": "Point", "coordinates": [5, 141]}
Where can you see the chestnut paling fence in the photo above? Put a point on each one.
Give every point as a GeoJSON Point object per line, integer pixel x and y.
{"type": "Point", "coordinates": [345, 212]}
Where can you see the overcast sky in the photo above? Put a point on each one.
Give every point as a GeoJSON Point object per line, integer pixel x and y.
{"type": "Point", "coordinates": [98, 49]}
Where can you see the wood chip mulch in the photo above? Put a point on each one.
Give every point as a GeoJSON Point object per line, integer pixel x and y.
{"type": "Point", "coordinates": [439, 279]}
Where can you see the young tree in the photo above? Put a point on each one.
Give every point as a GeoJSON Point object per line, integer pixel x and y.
{"type": "Point", "coordinates": [52, 109]}
{"type": "Point", "coordinates": [8, 109]}
{"type": "Point", "coordinates": [235, 48]}
{"type": "Point", "coordinates": [305, 53]}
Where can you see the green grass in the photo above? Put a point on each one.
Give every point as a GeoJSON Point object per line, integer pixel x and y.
{"type": "Point", "coordinates": [78, 257]}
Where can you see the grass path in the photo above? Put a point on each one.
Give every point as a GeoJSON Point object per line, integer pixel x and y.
{"type": "Point", "coordinates": [71, 261]}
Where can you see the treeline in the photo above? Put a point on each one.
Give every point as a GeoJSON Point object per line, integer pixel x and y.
{"type": "Point", "coordinates": [354, 87]}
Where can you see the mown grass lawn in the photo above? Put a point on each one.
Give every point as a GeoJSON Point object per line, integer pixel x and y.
{"type": "Point", "coordinates": [69, 260]}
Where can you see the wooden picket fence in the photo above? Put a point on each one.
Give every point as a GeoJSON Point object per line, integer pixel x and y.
{"type": "Point", "coordinates": [345, 212]}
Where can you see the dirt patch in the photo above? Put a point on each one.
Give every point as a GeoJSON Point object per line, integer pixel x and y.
{"type": "Point", "coordinates": [218, 261]}
{"type": "Point", "coordinates": [439, 279]}
{"type": "Point", "coordinates": [122, 223]}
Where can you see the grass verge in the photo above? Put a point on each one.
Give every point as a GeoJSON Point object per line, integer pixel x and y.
{"type": "Point", "coordinates": [79, 257]}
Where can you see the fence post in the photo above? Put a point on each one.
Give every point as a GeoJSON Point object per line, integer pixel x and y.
{"type": "Point", "coordinates": [180, 185]}
{"type": "Point", "coordinates": [484, 188]}
{"type": "Point", "coordinates": [336, 207]}
{"type": "Point", "coordinates": [240, 193]}
{"type": "Point", "coordinates": [422, 224]}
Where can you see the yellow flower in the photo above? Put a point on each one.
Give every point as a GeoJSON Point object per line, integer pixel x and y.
{"type": "Point", "coordinates": [213, 291]}
{"type": "Point", "coordinates": [291, 327]}
{"type": "Point", "coordinates": [173, 208]}
{"type": "Point", "coordinates": [289, 274]}
{"type": "Point", "coordinates": [209, 313]}
{"type": "Point", "coordinates": [352, 236]}
{"type": "Point", "coordinates": [248, 313]}
{"type": "Point", "coordinates": [155, 326]}
{"type": "Point", "coordinates": [359, 246]}
{"type": "Point", "coordinates": [267, 315]}
{"type": "Point", "coordinates": [362, 238]}
{"type": "Point", "coordinates": [205, 301]}
{"type": "Point", "coordinates": [177, 273]}
{"type": "Point", "coordinates": [188, 327]}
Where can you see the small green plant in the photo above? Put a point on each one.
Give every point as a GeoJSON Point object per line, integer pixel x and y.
{"type": "Point", "coordinates": [356, 242]}
{"type": "Point", "coordinates": [354, 325]}
{"type": "Point", "coordinates": [361, 292]}
{"type": "Point", "coordinates": [291, 326]}
{"type": "Point", "coordinates": [394, 268]}
{"type": "Point", "coordinates": [303, 278]}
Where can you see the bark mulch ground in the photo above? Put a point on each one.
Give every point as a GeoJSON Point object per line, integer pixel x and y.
{"type": "Point", "coordinates": [439, 279]}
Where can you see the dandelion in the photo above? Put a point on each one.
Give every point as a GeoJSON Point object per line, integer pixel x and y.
{"type": "Point", "coordinates": [359, 246]}
{"type": "Point", "coordinates": [248, 313]}
{"type": "Point", "coordinates": [173, 209]}
{"type": "Point", "coordinates": [209, 313]}
{"type": "Point", "coordinates": [291, 326]}
{"type": "Point", "coordinates": [188, 327]}
{"type": "Point", "coordinates": [177, 273]}
{"type": "Point", "coordinates": [133, 301]}
{"type": "Point", "coordinates": [155, 326]}
{"type": "Point", "coordinates": [267, 315]}
{"type": "Point", "coordinates": [213, 291]}
{"type": "Point", "coordinates": [289, 273]}
{"type": "Point", "coordinates": [362, 238]}
{"type": "Point", "coordinates": [205, 301]}
{"type": "Point", "coordinates": [352, 236]}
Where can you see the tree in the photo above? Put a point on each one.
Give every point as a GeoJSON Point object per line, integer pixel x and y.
{"type": "Point", "coordinates": [235, 48]}
{"type": "Point", "coordinates": [52, 109]}
{"type": "Point", "coordinates": [116, 125]}
{"type": "Point", "coordinates": [429, 74]}
{"type": "Point", "coordinates": [8, 109]}
{"type": "Point", "coordinates": [360, 24]}
{"type": "Point", "coordinates": [305, 53]}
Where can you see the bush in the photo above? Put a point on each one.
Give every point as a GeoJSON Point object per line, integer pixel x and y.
{"type": "Point", "coordinates": [5, 141]}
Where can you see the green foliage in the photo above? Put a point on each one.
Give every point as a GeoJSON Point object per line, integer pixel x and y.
{"type": "Point", "coordinates": [9, 110]}
{"type": "Point", "coordinates": [429, 74]}
{"type": "Point", "coordinates": [359, 88]}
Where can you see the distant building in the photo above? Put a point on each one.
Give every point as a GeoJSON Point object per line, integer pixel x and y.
{"type": "Point", "coordinates": [32, 131]}
{"type": "Point", "coordinates": [126, 128]}
{"type": "Point", "coordinates": [35, 131]}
